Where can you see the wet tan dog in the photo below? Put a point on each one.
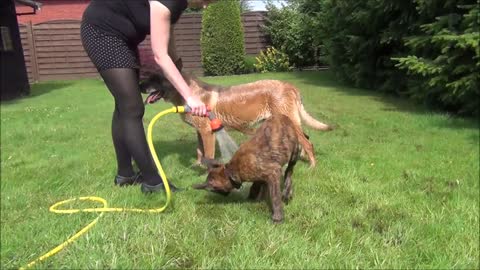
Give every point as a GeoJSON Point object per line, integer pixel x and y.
{"type": "Point", "coordinates": [260, 160]}
{"type": "Point", "coordinates": [240, 107]}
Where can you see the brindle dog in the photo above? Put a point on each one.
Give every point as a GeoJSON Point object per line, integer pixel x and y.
{"type": "Point", "coordinates": [260, 160]}
{"type": "Point", "coordinates": [240, 107]}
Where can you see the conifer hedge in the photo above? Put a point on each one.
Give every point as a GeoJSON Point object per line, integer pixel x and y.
{"type": "Point", "coordinates": [222, 39]}
{"type": "Point", "coordinates": [426, 50]}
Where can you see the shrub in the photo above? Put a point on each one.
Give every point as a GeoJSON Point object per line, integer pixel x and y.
{"type": "Point", "coordinates": [272, 60]}
{"type": "Point", "coordinates": [222, 39]}
{"type": "Point", "coordinates": [444, 61]}
{"type": "Point", "coordinates": [249, 63]}
{"type": "Point", "coordinates": [287, 30]}
{"type": "Point", "coordinates": [427, 50]}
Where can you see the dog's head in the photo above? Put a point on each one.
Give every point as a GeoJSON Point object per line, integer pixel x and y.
{"type": "Point", "coordinates": [158, 87]}
{"type": "Point", "coordinates": [219, 179]}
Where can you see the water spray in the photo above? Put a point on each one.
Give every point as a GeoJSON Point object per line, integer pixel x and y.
{"type": "Point", "coordinates": [226, 144]}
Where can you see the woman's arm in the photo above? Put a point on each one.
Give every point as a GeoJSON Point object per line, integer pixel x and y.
{"type": "Point", "coordinates": [172, 50]}
{"type": "Point", "coordinates": [160, 36]}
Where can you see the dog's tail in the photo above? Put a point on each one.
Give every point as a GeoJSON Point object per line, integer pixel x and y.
{"type": "Point", "coordinates": [306, 146]}
{"type": "Point", "coordinates": [309, 120]}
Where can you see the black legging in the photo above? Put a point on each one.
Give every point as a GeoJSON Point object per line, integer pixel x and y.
{"type": "Point", "coordinates": [127, 126]}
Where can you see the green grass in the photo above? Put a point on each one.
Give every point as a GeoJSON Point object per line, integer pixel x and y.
{"type": "Point", "coordinates": [395, 186]}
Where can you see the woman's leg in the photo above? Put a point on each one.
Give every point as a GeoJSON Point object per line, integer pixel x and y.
{"type": "Point", "coordinates": [124, 158]}
{"type": "Point", "coordinates": [127, 127]}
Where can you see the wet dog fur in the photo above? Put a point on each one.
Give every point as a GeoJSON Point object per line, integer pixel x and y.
{"type": "Point", "coordinates": [239, 107]}
{"type": "Point", "coordinates": [277, 142]}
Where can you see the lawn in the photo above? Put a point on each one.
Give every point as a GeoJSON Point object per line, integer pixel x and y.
{"type": "Point", "coordinates": [396, 186]}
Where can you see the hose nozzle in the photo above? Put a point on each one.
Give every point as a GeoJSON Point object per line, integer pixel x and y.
{"type": "Point", "coordinates": [215, 123]}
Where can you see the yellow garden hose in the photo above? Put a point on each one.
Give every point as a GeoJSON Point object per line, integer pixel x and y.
{"type": "Point", "coordinates": [105, 208]}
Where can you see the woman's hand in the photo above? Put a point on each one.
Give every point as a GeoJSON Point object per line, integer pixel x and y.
{"type": "Point", "coordinates": [197, 106]}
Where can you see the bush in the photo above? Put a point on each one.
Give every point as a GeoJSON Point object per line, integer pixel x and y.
{"type": "Point", "coordinates": [287, 31]}
{"type": "Point", "coordinates": [444, 61]}
{"type": "Point", "coordinates": [249, 63]}
{"type": "Point", "coordinates": [272, 60]}
{"type": "Point", "coordinates": [222, 39]}
{"type": "Point", "coordinates": [360, 37]}
{"type": "Point", "coordinates": [427, 50]}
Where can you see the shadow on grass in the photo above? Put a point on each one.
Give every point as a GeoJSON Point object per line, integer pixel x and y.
{"type": "Point", "coordinates": [236, 196]}
{"type": "Point", "coordinates": [392, 102]}
{"type": "Point", "coordinates": [185, 149]}
{"type": "Point", "coordinates": [39, 89]}
{"type": "Point", "coordinates": [211, 206]}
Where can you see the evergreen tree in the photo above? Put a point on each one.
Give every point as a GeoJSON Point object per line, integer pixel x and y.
{"type": "Point", "coordinates": [222, 38]}
{"type": "Point", "coordinates": [444, 61]}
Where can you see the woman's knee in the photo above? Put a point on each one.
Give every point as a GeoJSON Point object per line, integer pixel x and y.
{"type": "Point", "coordinates": [123, 85]}
{"type": "Point", "coordinates": [131, 109]}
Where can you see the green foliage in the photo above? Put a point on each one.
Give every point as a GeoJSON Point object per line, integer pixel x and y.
{"type": "Point", "coordinates": [423, 49]}
{"type": "Point", "coordinates": [250, 61]}
{"type": "Point", "coordinates": [445, 66]}
{"type": "Point", "coordinates": [360, 37]}
{"type": "Point", "coordinates": [245, 6]}
{"type": "Point", "coordinates": [272, 60]}
{"type": "Point", "coordinates": [287, 30]}
{"type": "Point", "coordinates": [222, 39]}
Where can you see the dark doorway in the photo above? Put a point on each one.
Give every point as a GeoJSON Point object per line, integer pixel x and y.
{"type": "Point", "coordinates": [13, 72]}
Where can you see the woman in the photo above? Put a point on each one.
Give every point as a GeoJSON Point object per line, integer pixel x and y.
{"type": "Point", "coordinates": [111, 32]}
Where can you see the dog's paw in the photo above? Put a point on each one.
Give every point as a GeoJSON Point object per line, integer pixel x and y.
{"type": "Point", "coordinates": [277, 220]}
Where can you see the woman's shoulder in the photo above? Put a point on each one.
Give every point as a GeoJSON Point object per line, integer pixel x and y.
{"type": "Point", "coordinates": [176, 7]}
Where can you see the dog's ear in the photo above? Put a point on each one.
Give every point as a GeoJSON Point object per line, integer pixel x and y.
{"type": "Point", "coordinates": [211, 163]}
